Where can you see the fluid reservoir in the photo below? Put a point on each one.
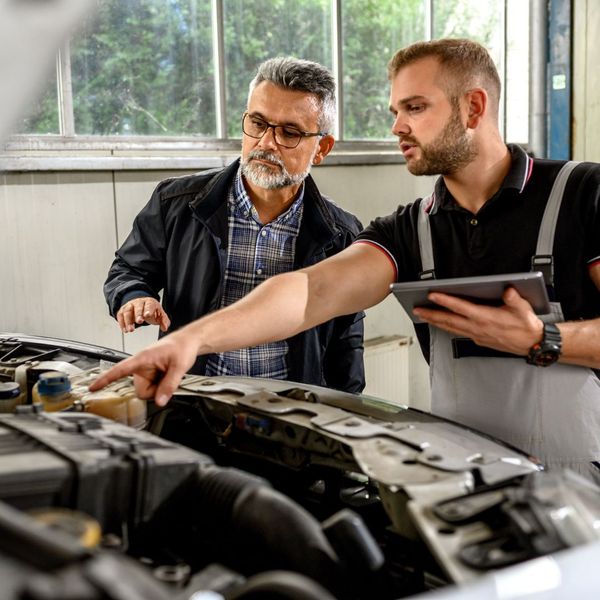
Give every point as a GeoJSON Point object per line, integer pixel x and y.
{"type": "Point", "coordinates": [10, 396]}
{"type": "Point", "coordinates": [119, 405]}
{"type": "Point", "coordinates": [53, 390]}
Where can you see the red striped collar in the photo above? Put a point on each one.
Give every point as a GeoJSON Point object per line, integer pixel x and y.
{"type": "Point", "coordinates": [527, 175]}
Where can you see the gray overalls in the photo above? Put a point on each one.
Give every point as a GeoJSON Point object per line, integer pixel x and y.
{"type": "Point", "coordinates": [552, 413]}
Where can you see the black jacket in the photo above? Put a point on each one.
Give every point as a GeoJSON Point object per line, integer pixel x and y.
{"type": "Point", "coordinates": [178, 244]}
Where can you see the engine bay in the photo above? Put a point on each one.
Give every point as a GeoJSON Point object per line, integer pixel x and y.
{"type": "Point", "coordinates": [258, 488]}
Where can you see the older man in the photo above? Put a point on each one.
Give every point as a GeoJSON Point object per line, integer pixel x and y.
{"type": "Point", "coordinates": [208, 239]}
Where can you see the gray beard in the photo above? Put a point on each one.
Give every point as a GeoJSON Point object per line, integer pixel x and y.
{"type": "Point", "coordinates": [266, 177]}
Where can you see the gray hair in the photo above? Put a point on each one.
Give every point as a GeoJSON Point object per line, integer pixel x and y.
{"type": "Point", "coordinates": [304, 76]}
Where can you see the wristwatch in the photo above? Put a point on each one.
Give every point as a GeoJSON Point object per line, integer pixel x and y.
{"type": "Point", "coordinates": [547, 351]}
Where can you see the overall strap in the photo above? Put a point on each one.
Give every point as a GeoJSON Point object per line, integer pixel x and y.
{"type": "Point", "coordinates": [425, 243]}
{"type": "Point", "coordinates": [543, 260]}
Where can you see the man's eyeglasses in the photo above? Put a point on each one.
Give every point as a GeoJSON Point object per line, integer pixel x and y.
{"type": "Point", "coordinates": [288, 137]}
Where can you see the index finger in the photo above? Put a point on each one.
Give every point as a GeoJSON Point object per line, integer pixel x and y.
{"type": "Point", "coordinates": [125, 319]}
{"type": "Point", "coordinates": [121, 369]}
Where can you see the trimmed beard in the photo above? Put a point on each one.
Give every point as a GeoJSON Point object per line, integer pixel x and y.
{"type": "Point", "coordinates": [266, 177]}
{"type": "Point", "coordinates": [451, 150]}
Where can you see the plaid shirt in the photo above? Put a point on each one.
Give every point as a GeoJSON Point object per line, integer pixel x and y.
{"type": "Point", "coordinates": [255, 252]}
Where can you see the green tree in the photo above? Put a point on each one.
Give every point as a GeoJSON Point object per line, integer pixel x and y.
{"type": "Point", "coordinates": [145, 67]}
{"type": "Point", "coordinates": [43, 118]}
{"type": "Point", "coordinates": [372, 31]}
{"type": "Point", "coordinates": [256, 30]}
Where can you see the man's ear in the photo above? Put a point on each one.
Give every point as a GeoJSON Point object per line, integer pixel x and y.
{"type": "Point", "coordinates": [326, 144]}
{"type": "Point", "coordinates": [477, 101]}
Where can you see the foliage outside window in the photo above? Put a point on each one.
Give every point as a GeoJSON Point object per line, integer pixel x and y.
{"type": "Point", "coordinates": [147, 67]}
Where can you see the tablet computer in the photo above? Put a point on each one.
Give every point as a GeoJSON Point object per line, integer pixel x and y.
{"type": "Point", "coordinates": [484, 289]}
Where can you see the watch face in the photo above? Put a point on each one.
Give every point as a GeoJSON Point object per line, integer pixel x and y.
{"type": "Point", "coordinates": [546, 357]}
{"type": "Point", "coordinates": [543, 355]}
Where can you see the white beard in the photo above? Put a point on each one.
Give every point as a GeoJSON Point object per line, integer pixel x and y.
{"type": "Point", "coordinates": [268, 177]}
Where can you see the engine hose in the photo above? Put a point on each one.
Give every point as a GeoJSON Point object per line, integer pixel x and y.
{"type": "Point", "coordinates": [279, 585]}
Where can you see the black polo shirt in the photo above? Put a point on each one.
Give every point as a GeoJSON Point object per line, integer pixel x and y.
{"type": "Point", "coordinates": [501, 237]}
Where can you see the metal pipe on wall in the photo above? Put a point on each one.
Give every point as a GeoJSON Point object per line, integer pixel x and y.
{"type": "Point", "coordinates": [538, 53]}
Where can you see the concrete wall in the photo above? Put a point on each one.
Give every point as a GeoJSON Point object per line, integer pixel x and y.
{"type": "Point", "coordinates": [60, 231]}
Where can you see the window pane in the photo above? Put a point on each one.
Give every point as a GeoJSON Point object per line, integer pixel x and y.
{"type": "Point", "coordinates": [476, 20]}
{"type": "Point", "coordinates": [372, 32]}
{"type": "Point", "coordinates": [517, 72]}
{"type": "Point", "coordinates": [144, 67]}
{"type": "Point", "coordinates": [256, 30]}
{"type": "Point", "coordinates": [473, 19]}
{"type": "Point", "coordinates": [42, 118]}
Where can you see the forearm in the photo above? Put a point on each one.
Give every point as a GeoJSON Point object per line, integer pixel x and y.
{"type": "Point", "coordinates": [123, 283]}
{"type": "Point", "coordinates": [274, 310]}
{"type": "Point", "coordinates": [581, 343]}
{"type": "Point", "coordinates": [293, 302]}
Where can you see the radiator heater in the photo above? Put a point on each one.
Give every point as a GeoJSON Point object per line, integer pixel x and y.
{"type": "Point", "coordinates": [387, 368]}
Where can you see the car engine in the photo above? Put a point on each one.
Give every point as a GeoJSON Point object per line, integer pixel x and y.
{"type": "Point", "coordinates": [248, 488]}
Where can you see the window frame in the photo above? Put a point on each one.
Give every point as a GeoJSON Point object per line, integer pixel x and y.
{"type": "Point", "coordinates": [68, 151]}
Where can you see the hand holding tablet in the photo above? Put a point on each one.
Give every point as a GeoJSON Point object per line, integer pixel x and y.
{"type": "Point", "coordinates": [485, 289]}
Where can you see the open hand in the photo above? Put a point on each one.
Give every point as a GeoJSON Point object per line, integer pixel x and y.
{"type": "Point", "coordinates": [513, 327]}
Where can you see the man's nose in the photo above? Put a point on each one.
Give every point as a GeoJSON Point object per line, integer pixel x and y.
{"type": "Point", "coordinates": [400, 127]}
{"type": "Point", "coordinates": [268, 138]}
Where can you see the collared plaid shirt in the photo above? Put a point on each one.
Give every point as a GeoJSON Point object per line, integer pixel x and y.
{"type": "Point", "coordinates": [255, 252]}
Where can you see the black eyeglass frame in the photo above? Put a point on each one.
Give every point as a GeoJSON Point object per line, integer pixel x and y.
{"type": "Point", "coordinates": [301, 134]}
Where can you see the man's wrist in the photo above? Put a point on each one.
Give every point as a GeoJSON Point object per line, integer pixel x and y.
{"type": "Point", "coordinates": [547, 351]}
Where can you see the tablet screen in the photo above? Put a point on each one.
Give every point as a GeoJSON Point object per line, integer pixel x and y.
{"type": "Point", "coordinates": [484, 289]}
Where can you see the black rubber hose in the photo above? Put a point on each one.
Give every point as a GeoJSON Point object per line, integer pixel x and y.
{"type": "Point", "coordinates": [279, 585]}
{"type": "Point", "coordinates": [260, 529]}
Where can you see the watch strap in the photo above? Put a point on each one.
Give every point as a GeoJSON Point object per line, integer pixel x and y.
{"type": "Point", "coordinates": [547, 351]}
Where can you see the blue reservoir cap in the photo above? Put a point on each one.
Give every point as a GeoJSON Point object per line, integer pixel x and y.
{"type": "Point", "coordinates": [53, 383]}
{"type": "Point", "coordinates": [9, 390]}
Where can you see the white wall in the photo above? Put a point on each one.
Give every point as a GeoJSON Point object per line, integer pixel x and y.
{"type": "Point", "coordinates": [58, 236]}
{"type": "Point", "coordinates": [60, 231]}
{"type": "Point", "coordinates": [586, 80]}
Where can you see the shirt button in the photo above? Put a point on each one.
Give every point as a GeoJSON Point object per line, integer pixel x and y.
{"type": "Point", "coordinates": [263, 232]}
{"type": "Point", "coordinates": [259, 271]}
{"type": "Point", "coordinates": [473, 222]}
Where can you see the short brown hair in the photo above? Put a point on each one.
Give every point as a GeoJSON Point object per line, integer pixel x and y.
{"type": "Point", "coordinates": [465, 63]}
